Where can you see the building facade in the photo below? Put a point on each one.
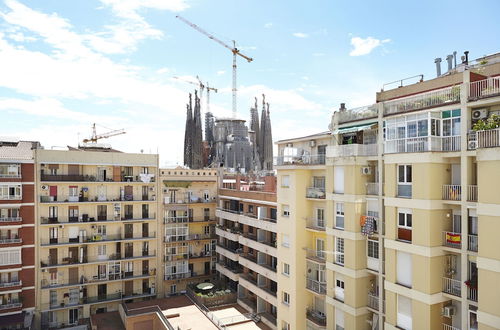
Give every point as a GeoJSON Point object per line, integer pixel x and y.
{"type": "Point", "coordinates": [246, 247]}
{"type": "Point", "coordinates": [401, 214]}
{"type": "Point", "coordinates": [17, 233]}
{"type": "Point", "coordinates": [97, 232]}
{"type": "Point", "coordinates": [188, 227]}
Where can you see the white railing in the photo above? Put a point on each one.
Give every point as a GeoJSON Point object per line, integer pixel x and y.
{"type": "Point", "coordinates": [9, 284]}
{"type": "Point", "coordinates": [373, 301]}
{"type": "Point", "coordinates": [300, 160]}
{"type": "Point", "coordinates": [315, 255]}
{"type": "Point", "coordinates": [488, 138]}
{"type": "Point", "coordinates": [350, 150]}
{"type": "Point", "coordinates": [315, 224]}
{"type": "Point", "coordinates": [450, 143]}
{"type": "Point", "coordinates": [11, 219]}
{"type": "Point", "coordinates": [316, 286]}
{"type": "Point", "coordinates": [452, 192]}
{"type": "Point", "coordinates": [372, 188]}
{"type": "Point", "coordinates": [315, 192]}
{"type": "Point", "coordinates": [452, 239]}
{"type": "Point", "coordinates": [472, 243]}
{"type": "Point", "coordinates": [434, 98]}
{"type": "Point", "coordinates": [10, 240]}
{"type": "Point", "coordinates": [449, 327]}
{"type": "Point", "coordinates": [472, 193]}
{"type": "Point", "coordinates": [484, 88]}
{"type": "Point", "coordinates": [422, 144]}
{"type": "Point", "coordinates": [472, 294]}
{"type": "Point", "coordinates": [452, 286]}
{"type": "Point", "coordinates": [11, 305]}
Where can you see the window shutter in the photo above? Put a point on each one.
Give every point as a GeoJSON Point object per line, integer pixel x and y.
{"type": "Point", "coordinates": [338, 179]}
{"type": "Point", "coordinates": [404, 268]}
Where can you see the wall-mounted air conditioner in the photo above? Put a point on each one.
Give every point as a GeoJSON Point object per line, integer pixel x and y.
{"type": "Point", "coordinates": [448, 311]}
{"type": "Point", "coordinates": [478, 114]}
{"type": "Point", "coordinates": [44, 187]}
{"type": "Point", "coordinates": [366, 170]}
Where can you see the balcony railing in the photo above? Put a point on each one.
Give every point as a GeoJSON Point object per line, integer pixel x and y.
{"type": "Point", "coordinates": [64, 261]}
{"type": "Point", "coordinates": [352, 150]}
{"type": "Point", "coordinates": [472, 193]}
{"type": "Point", "coordinates": [472, 294]}
{"type": "Point", "coordinates": [12, 304]}
{"type": "Point", "coordinates": [484, 88]}
{"type": "Point", "coordinates": [11, 219]}
{"type": "Point", "coordinates": [373, 301]}
{"type": "Point", "coordinates": [10, 240]}
{"type": "Point", "coordinates": [423, 144]}
{"type": "Point", "coordinates": [145, 178]}
{"type": "Point", "coordinates": [449, 327]}
{"type": "Point", "coordinates": [366, 112]}
{"type": "Point", "coordinates": [316, 255]}
{"type": "Point", "coordinates": [316, 286]}
{"type": "Point", "coordinates": [315, 224]}
{"type": "Point", "coordinates": [488, 138]}
{"type": "Point", "coordinates": [452, 239]}
{"type": "Point", "coordinates": [452, 286]}
{"type": "Point", "coordinates": [472, 243]}
{"type": "Point", "coordinates": [94, 238]}
{"type": "Point", "coordinates": [372, 188]}
{"type": "Point", "coordinates": [316, 317]}
{"type": "Point", "coordinates": [10, 284]}
{"type": "Point", "coordinates": [316, 192]}
{"type": "Point", "coordinates": [452, 192]}
{"type": "Point", "coordinates": [448, 95]}
{"type": "Point", "coordinates": [190, 237]}
{"type": "Point", "coordinates": [301, 160]}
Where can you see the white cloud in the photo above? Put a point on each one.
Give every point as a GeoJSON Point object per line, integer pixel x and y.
{"type": "Point", "coordinates": [163, 70]}
{"type": "Point", "coordinates": [365, 46]}
{"type": "Point", "coordinates": [221, 72]}
{"type": "Point", "coordinates": [268, 25]}
{"type": "Point", "coordinates": [300, 35]}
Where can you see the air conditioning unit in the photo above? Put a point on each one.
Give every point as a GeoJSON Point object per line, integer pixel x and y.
{"type": "Point", "coordinates": [472, 145]}
{"type": "Point", "coordinates": [44, 270]}
{"type": "Point", "coordinates": [479, 114]}
{"type": "Point", "coordinates": [289, 145]}
{"type": "Point", "coordinates": [44, 187]}
{"type": "Point", "coordinates": [366, 170]}
{"type": "Point", "coordinates": [448, 311]}
{"type": "Point", "coordinates": [312, 143]}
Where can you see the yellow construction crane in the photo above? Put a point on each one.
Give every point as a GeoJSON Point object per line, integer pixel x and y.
{"type": "Point", "coordinates": [201, 87]}
{"type": "Point", "coordinates": [233, 49]}
{"type": "Point", "coordinates": [95, 136]}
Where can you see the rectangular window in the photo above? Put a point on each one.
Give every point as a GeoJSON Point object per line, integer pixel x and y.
{"type": "Point", "coordinates": [404, 319]}
{"type": "Point", "coordinates": [339, 251]}
{"type": "Point", "coordinates": [339, 287]}
{"type": "Point", "coordinates": [320, 218]}
{"type": "Point", "coordinates": [286, 269]}
{"type": "Point", "coordinates": [339, 215]}
{"type": "Point", "coordinates": [339, 319]}
{"type": "Point", "coordinates": [404, 218]}
{"type": "Point", "coordinates": [338, 180]}
{"type": "Point", "coordinates": [286, 298]}
{"type": "Point", "coordinates": [286, 210]}
{"type": "Point", "coordinates": [404, 269]}
{"type": "Point", "coordinates": [285, 241]}
{"type": "Point", "coordinates": [101, 250]}
{"type": "Point", "coordinates": [12, 191]}
{"type": "Point", "coordinates": [285, 181]}
{"type": "Point", "coordinates": [372, 249]}
{"type": "Point", "coordinates": [10, 170]}
{"type": "Point", "coordinates": [285, 325]}
{"type": "Point", "coordinates": [405, 181]}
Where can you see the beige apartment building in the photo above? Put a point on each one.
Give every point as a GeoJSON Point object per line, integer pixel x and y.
{"type": "Point", "coordinates": [389, 219]}
{"type": "Point", "coordinates": [246, 247]}
{"type": "Point", "coordinates": [189, 199]}
{"type": "Point", "coordinates": [97, 232]}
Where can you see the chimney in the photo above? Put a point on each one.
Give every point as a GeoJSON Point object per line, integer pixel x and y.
{"type": "Point", "coordinates": [455, 59]}
{"type": "Point", "coordinates": [342, 107]}
{"type": "Point", "coordinates": [438, 66]}
{"type": "Point", "coordinates": [466, 53]}
{"type": "Point", "coordinates": [449, 58]}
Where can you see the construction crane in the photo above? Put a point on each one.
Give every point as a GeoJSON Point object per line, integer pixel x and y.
{"type": "Point", "coordinates": [233, 50]}
{"type": "Point", "coordinates": [95, 136]}
{"type": "Point", "coordinates": [201, 87]}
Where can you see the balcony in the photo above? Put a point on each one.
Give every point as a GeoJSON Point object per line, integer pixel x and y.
{"type": "Point", "coordinates": [452, 239]}
{"type": "Point", "coordinates": [316, 317]}
{"type": "Point", "coordinates": [372, 188]}
{"type": "Point", "coordinates": [85, 219]}
{"type": "Point", "coordinates": [315, 224]}
{"type": "Point", "coordinates": [60, 199]}
{"type": "Point", "coordinates": [12, 304]}
{"type": "Point", "coordinates": [300, 160]}
{"type": "Point", "coordinates": [8, 220]}
{"type": "Point", "coordinates": [373, 301]}
{"type": "Point", "coordinates": [143, 178]}
{"type": "Point", "coordinates": [352, 150]}
{"type": "Point", "coordinates": [422, 144]}
{"type": "Point", "coordinates": [472, 243]}
{"type": "Point", "coordinates": [62, 282]}
{"type": "Point", "coordinates": [84, 259]}
{"type": "Point", "coordinates": [449, 327]}
{"type": "Point", "coordinates": [472, 193]}
{"type": "Point", "coordinates": [452, 192]}
{"type": "Point", "coordinates": [444, 96]}
{"type": "Point", "coordinates": [472, 293]}
{"type": "Point", "coordinates": [229, 271]}
{"type": "Point", "coordinates": [317, 256]}
{"type": "Point", "coordinates": [484, 88]}
{"type": "Point", "coordinates": [263, 268]}
{"type": "Point", "coordinates": [316, 192]}
{"type": "Point", "coordinates": [4, 242]}
{"type": "Point", "coordinates": [366, 112]}
{"type": "Point", "coordinates": [190, 237]}
{"type": "Point", "coordinates": [316, 286]}
{"type": "Point", "coordinates": [452, 286]}
{"type": "Point", "coordinates": [94, 238]}
{"type": "Point", "coordinates": [10, 285]}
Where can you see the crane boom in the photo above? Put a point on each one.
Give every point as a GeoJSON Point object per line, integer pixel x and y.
{"type": "Point", "coordinates": [95, 136]}
{"type": "Point", "coordinates": [233, 50]}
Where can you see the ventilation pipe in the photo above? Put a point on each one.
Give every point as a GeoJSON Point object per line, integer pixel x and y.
{"type": "Point", "coordinates": [466, 53]}
{"type": "Point", "coordinates": [438, 66]}
{"type": "Point", "coordinates": [449, 59]}
{"type": "Point", "coordinates": [342, 107]}
{"type": "Point", "coordinates": [455, 59]}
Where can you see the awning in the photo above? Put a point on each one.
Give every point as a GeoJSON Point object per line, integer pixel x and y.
{"type": "Point", "coordinates": [354, 129]}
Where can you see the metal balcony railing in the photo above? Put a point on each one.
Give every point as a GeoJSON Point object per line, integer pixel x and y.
{"type": "Point", "coordinates": [472, 294]}
{"type": "Point", "coordinates": [10, 240]}
{"type": "Point", "coordinates": [447, 95]}
{"type": "Point", "coordinates": [488, 138]}
{"type": "Point", "coordinates": [10, 284]}
{"type": "Point", "coordinates": [452, 286]}
{"type": "Point", "coordinates": [316, 255]}
{"type": "Point", "coordinates": [316, 316]}
{"type": "Point", "coordinates": [373, 301]}
{"type": "Point", "coordinates": [472, 243]}
{"type": "Point", "coordinates": [11, 219]}
{"type": "Point", "coordinates": [452, 192]}
{"type": "Point", "coordinates": [316, 192]}
{"type": "Point", "coordinates": [12, 304]}
{"type": "Point", "coordinates": [452, 239]}
{"type": "Point", "coordinates": [300, 160]}
{"type": "Point", "coordinates": [372, 188]}
{"type": "Point", "coordinates": [449, 327]}
{"type": "Point", "coordinates": [472, 193]}
{"type": "Point", "coordinates": [316, 286]}
{"type": "Point", "coordinates": [484, 88]}
{"type": "Point", "coordinates": [315, 224]}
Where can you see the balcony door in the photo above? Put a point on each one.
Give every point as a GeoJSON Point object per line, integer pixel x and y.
{"type": "Point", "coordinates": [102, 291]}
{"type": "Point", "coordinates": [129, 288]}
{"type": "Point", "coordinates": [73, 316]}
{"type": "Point", "coordinates": [129, 230]}
{"type": "Point", "coordinates": [73, 275]}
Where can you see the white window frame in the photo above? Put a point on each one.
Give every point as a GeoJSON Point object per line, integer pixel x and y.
{"type": "Point", "coordinates": [11, 171]}
{"type": "Point", "coordinates": [372, 248]}
{"type": "Point", "coordinates": [286, 269]}
{"type": "Point", "coordinates": [339, 251]}
{"type": "Point", "coordinates": [404, 320]}
{"type": "Point", "coordinates": [339, 213]}
{"type": "Point", "coordinates": [407, 217]}
{"type": "Point", "coordinates": [339, 287]}
{"type": "Point", "coordinates": [285, 240]}
{"type": "Point", "coordinates": [286, 298]}
{"type": "Point", "coordinates": [406, 181]}
{"type": "Point", "coordinates": [285, 210]}
{"type": "Point", "coordinates": [285, 181]}
{"type": "Point", "coordinates": [5, 191]}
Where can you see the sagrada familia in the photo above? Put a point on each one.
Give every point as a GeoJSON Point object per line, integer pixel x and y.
{"type": "Point", "coordinates": [228, 142]}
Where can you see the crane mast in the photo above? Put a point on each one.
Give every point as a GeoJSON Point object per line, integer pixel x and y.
{"type": "Point", "coordinates": [233, 50]}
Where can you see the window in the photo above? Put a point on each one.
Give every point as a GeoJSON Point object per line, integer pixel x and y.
{"type": "Point", "coordinates": [338, 180]}
{"type": "Point", "coordinates": [10, 257]}
{"type": "Point", "coordinates": [10, 170]}
{"type": "Point", "coordinates": [339, 319]}
{"type": "Point", "coordinates": [173, 289]}
{"type": "Point", "coordinates": [53, 212]}
{"type": "Point", "coordinates": [101, 250]}
{"type": "Point", "coordinates": [404, 218]}
{"type": "Point", "coordinates": [339, 251]}
{"type": "Point", "coordinates": [73, 191]}
{"type": "Point", "coordinates": [206, 195]}
{"type": "Point", "coordinates": [285, 325]}
{"type": "Point", "coordinates": [339, 287]}
{"type": "Point", "coordinates": [286, 298]}
{"type": "Point", "coordinates": [286, 269]}
{"type": "Point", "coordinates": [320, 248]}
{"type": "Point", "coordinates": [339, 215]}
{"type": "Point", "coordinates": [404, 269]}
{"type": "Point", "coordinates": [404, 319]}
{"type": "Point", "coordinates": [286, 210]}
{"type": "Point", "coordinates": [285, 241]}
{"type": "Point", "coordinates": [320, 218]}
{"type": "Point", "coordinates": [372, 249]}
{"type": "Point", "coordinates": [285, 181]}
{"type": "Point", "coordinates": [404, 181]}
{"type": "Point", "coordinates": [250, 209]}
{"type": "Point", "coordinates": [13, 191]}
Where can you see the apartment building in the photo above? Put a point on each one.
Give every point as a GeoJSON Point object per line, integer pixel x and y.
{"type": "Point", "coordinates": [410, 210]}
{"type": "Point", "coordinates": [246, 247]}
{"type": "Point", "coordinates": [17, 233]}
{"type": "Point", "coordinates": [189, 199]}
{"type": "Point", "coordinates": [96, 232]}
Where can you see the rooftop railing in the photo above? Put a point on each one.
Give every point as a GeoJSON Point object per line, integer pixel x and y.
{"type": "Point", "coordinates": [366, 112]}
{"type": "Point", "coordinates": [484, 88]}
{"type": "Point", "coordinates": [351, 150]}
{"type": "Point", "coordinates": [300, 160]}
{"type": "Point", "coordinates": [447, 95]}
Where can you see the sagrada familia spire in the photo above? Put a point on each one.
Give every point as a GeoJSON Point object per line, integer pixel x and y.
{"type": "Point", "coordinates": [228, 142]}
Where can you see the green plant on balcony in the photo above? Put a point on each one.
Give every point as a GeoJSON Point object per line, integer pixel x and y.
{"type": "Point", "coordinates": [491, 123]}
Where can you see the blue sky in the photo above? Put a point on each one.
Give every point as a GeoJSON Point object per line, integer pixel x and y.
{"type": "Point", "coordinates": [66, 64]}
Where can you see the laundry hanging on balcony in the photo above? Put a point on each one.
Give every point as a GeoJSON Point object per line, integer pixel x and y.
{"type": "Point", "coordinates": [368, 225]}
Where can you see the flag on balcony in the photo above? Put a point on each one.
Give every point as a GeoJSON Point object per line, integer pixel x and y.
{"type": "Point", "coordinates": [453, 238]}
